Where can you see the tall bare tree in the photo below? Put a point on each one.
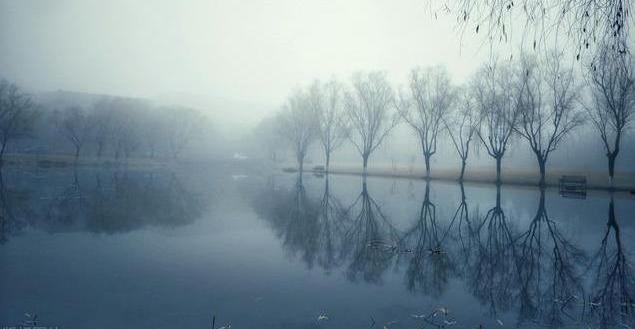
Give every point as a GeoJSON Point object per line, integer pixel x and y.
{"type": "Point", "coordinates": [432, 98]}
{"type": "Point", "coordinates": [462, 126]}
{"type": "Point", "coordinates": [75, 126]}
{"type": "Point", "coordinates": [298, 125]}
{"type": "Point", "coordinates": [327, 103]}
{"type": "Point", "coordinates": [613, 100]}
{"type": "Point", "coordinates": [17, 114]}
{"type": "Point", "coordinates": [547, 105]}
{"type": "Point", "coordinates": [498, 107]}
{"type": "Point", "coordinates": [369, 108]}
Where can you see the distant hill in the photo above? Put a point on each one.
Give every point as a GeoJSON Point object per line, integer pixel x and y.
{"type": "Point", "coordinates": [62, 98]}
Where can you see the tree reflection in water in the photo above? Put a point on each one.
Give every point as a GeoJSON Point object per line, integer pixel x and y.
{"type": "Point", "coordinates": [535, 271]}
{"type": "Point", "coordinates": [491, 270]}
{"type": "Point", "coordinates": [331, 219]}
{"type": "Point", "coordinates": [14, 210]}
{"type": "Point", "coordinates": [613, 284]}
{"type": "Point", "coordinates": [548, 271]}
{"type": "Point", "coordinates": [430, 264]}
{"type": "Point", "coordinates": [126, 201]}
{"type": "Point", "coordinates": [370, 240]}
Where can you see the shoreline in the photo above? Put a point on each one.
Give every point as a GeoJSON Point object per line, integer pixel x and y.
{"type": "Point", "coordinates": [624, 182]}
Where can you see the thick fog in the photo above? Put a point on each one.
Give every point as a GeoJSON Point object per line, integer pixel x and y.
{"type": "Point", "coordinates": [236, 62]}
{"type": "Point", "coordinates": [215, 54]}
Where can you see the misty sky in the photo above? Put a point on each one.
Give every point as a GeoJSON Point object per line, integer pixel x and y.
{"type": "Point", "coordinates": [251, 52]}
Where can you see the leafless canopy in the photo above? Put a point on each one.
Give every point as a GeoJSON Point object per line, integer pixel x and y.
{"type": "Point", "coordinates": [17, 114]}
{"type": "Point", "coordinates": [432, 98]}
{"type": "Point", "coordinates": [369, 109]}
{"type": "Point", "coordinates": [498, 107]}
{"type": "Point", "coordinates": [585, 23]}
{"type": "Point", "coordinates": [298, 124]}
{"type": "Point", "coordinates": [462, 125]}
{"type": "Point", "coordinates": [613, 98]}
{"type": "Point", "coordinates": [326, 101]}
{"type": "Point", "coordinates": [75, 126]}
{"type": "Point", "coordinates": [547, 105]}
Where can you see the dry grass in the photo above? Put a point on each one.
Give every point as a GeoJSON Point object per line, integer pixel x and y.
{"type": "Point", "coordinates": [595, 180]}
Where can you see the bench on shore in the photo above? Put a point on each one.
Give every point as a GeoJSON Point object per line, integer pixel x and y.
{"type": "Point", "coordinates": [319, 169]}
{"type": "Point", "coordinates": [572, 186]}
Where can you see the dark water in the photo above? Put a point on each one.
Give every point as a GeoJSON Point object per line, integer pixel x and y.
{"type": "Point", "coordinates": [116, 248]}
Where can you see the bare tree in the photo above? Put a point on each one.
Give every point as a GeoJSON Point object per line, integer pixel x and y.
{"type": "Point", "coordinates": [498, 107]}
{"type": "Point", "coordinates": [613, 99]}
{"type": "Point", "coordinates": [75, 126]}
{"type": "Point", "coordinates": [102, 120]}
{"type": "Point", "coordinates": [432, 98]}
{"type": "Point", "coordinates": [17, 114]}
{"type": "Point", "coordinates": [547, 106]}
{"type": "Point", "coordinates": [326, 101]}
{"type": "Point", "coordinates": [581, 23]}
{"type": "Point", "coordinates": [183, 126]}
{"type": "Point", "coordinates": [126, 119]}
{"type": "Point", "coordinates": [298, 125]}
{"type": "Point", "coordinates": [462, 126]}
{"type": "Point", "coordinates": [369, 109]}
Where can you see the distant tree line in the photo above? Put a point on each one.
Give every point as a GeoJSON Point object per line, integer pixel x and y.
{"type": "Point", "coordinates": [111, 127]}
{"type": "Point", "coordinates": [537, 99]}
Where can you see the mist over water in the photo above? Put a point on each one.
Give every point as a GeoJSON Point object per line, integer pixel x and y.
{"type": "Point", "coordinates": [282, 164]}
{"type": "Point", "coordinates": [152, 248]}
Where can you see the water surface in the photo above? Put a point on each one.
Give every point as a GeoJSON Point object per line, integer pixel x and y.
{"type": "Point", "coordinates": [121, 248]}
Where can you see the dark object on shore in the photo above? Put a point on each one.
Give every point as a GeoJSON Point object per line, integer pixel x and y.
{"type": "Point", "coordinates": [288, 169]}
{"type": "Point", "coordinates": [319, 169]}
{"type": "Point", "coordinates": [572, 187]}
{"type": "Point", "coordinates": [633, 192]}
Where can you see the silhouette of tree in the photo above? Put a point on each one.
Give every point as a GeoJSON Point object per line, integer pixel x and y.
{"type": "Point", "coordinates": [370, 240]}
{"type": "Point", "coordinates": [548, 271]}
{"type": "Point", "coordinates": [369, 109]}
{"type": "Point", "coordinates": [612, 109]}
{"type": "Point", "coordinates": [498, 108]}
{"type": "Point", "coordinates": [613, 290]}
{"type": "Point", "coordinates": [431, 99]}
{"type": "Point", "coordinates": [430, 266]}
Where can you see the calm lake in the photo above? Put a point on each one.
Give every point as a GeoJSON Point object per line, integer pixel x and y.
{"type": "Point", "coordinates": [130, 248]}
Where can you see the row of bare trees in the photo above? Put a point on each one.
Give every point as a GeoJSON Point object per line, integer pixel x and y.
{"type": "Point", "coordinates": [121, 125]}
{"type": "Point", "coordinates": [126, 126]}
{"type": "Point", "coordinates": [539, 99]}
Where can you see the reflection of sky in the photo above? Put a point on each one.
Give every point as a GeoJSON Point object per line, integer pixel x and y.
{"type": "Point", "coordinates": [230, 263]}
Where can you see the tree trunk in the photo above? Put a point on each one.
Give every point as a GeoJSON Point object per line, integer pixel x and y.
{"type": "Point", "coordinates": [328, 161]}
{"type": "Point", "coordinates": [542, 164]}
{"type": "Point", "coordinates": [426, 158]}
{"type": "Point", "coordinates": [300, 159]}
{"type": "Point", "coordinates": [498, 197]}
{"type": "Point", "coordinates": [77, 149]}
{"type": "Point", "coordinates": [612, 156]}
{"type": "Point", "coordinates": [498, 169]}
{"type": "Point", "coordinates": [4, 147]}
{"type": "Point", "coordinates": [462, 192]}
{"type": "Point", "coordinates": [463, 164]}
{"type": "Point", "coordinates": [100, 148]}
{"type": "Point", "coordinates": [365, 159]}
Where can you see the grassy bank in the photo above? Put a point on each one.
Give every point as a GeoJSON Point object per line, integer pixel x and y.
{"type": "Point", "coordinates": [624, 181]}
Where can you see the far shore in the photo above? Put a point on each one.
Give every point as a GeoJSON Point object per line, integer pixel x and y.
{"type": "Point", "coordinates": [624, 181]}
{"type": "Point", "coordinates": [63, 160]}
